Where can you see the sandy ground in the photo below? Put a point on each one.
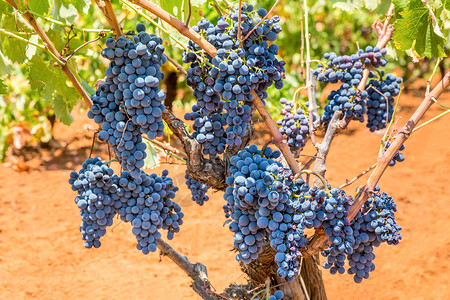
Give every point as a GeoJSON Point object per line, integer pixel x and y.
{"type": "Point", "coordinates": [42, 255]}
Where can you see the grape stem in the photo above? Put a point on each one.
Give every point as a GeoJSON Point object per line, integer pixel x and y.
{"type": "Point", "coordinates": [149, 19]}
{"type": "Point", "coordinates": [107, 9]}
{"type": "Point", "coordinates": [324, 147]}
{"type": "Point", "coordinates": [260, 22]}
{"type": "Point", "coordinates": [349, 182]}
{"type": "Point", "coordinates": [59, 23]}
{"type": "Point", "coordinates": [51, 48]}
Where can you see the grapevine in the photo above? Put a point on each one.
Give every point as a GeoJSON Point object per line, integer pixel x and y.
{"type": "Point", "coordinates": [234, 62]}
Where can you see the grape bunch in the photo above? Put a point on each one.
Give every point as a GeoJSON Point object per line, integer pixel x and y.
{"type": "Point", "coordinates": [208, 131]}
{"type": "Point", "coordinates": [97, 194]}
{"type": "Point", "coordinates": [268, 202]}
{"type": "Point", "coordinates": [148, 206]}
{"type": "Point", "coordinates": [223, 84]}
{"type": "Point", "coordinates": [144, 201]}
{"type": "Point", "coordinates": [349, 71]}
{"type": "Point", "coordinates": [129, 102]}
{"type": "Point", "coordinates": [250, 200]}
{"type": "Point", "coordinates": [380, 102]}
{"type": "Point", "coordinates": [198, 190]}
{"type": "Point", "coordinates": [399, 157]}
{"type": "Point", "coordinates": [373, 225]}
{"type": "Point", "coordinates": [294, 124]}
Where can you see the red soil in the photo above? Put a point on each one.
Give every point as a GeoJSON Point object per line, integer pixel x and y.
{"type": "Point", "coordinates": [42, 255]}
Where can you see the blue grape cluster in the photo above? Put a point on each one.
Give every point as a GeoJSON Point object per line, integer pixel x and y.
{"type": "Point", "coordinates": [146, 202]}
{"type": "Point", "coordinates": [349, 71]}
{"type": "Point", "coordinates": [399, 157]}
{"type": "Point", "coordinates": [294, 124]}
{"type": "Point", "coordinates": [97, 193]}
{"type": "Point", "coordinates": [198, 190]}
{"type": "Point", "coordinates": [339, 231]}
{"type": "Point", "coordinates": [129, 102]}
{"type": "Point", "coordinates": [373, 225]}
{"type": "Point", "coordinates": [348, 100]}
{"type": "Point", "coordinates": [277, 295]}
{"type": "Point", "coordinates": [380, 102]}
{"type": "Point", "coordinates": [208, 131]}
{"type": "Point", "coordinates": [250, 200]}
{"type": "Point", "coordinates": [148, 206]}
{"type": "Point", "coordinates": [267, 201]}
{"type": "Point", "coordinates": [223, 84]}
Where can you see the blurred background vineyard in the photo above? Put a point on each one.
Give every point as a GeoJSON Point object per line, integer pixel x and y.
{"type": "Point", "coordinates": [29, 107]}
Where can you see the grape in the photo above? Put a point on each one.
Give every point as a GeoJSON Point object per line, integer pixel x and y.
{"type": "Point", "coordinates": [129, 103]}
{"type": "Point", "coordinates": [278, 295]}
{"type": "Point", "coordinates": [223, 84]}
{"type": "Point", "coordinates": [373, 225]}
{"type": "Point", "coordinates": [294, 124]}
{"type": "Point", "coordinates": [399, 157]}
{"type": "Point", "coordinates": [345, 99]}
{"type": "Point", "coordinates": [349, 71]}
{"type": "Point", "coordinates": [145, 201]}
{"type": "Point", "coordinates": [148, 206]}
{"type": "Point", "coordinates": [380, 102]}
{"type": "Point", "coordinates": [96, 187]}
{"type": "Point", "coordinates": [198, 190]}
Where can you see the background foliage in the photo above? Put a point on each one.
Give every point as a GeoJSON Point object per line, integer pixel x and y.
{"type": "Point", "coordinates": [33, 91]}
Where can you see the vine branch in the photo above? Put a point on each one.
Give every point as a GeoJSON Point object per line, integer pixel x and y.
{"type": "Point", "coordinates": [107, 9]}
{"type": "Point", "coordinates": [197, 272]}
{"type": "Point", "coordinates": [402, 136]}
{"type": "Point", "coordinates": [48, 43]}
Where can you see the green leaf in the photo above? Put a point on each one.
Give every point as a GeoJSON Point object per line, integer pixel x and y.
{"type": "Point", "coordinates": [74, 68]}
{"type": "Point", "coordinates": [152, 159]}
{"type": "Point", "coordinates": [372, 4]}
{"type": "Point", "coordinates": [419, 30]}
{"type": "Point", "coordinates": [400, 5]}
{"type": "Point", "coordinates": [81, 5]}
{"type": "Point", "coordinates": [4, 66]}
{"type": "Point", "coordinates": [3, 88]}
{"type": "Point", "coordinates": [16, 50]}
{"type": "Point", "coordinates": [63, 11]}
{"type": "Point", "coordinates": [89, 89]}
{"type": "Point", "coordinates": [40, 6]}
{"type": "Point", "coordinates": [180, 10]}
{"type": "Point", "coordinates": [56, 90]}
{"type": "Point", "coordinates": [62, 109]}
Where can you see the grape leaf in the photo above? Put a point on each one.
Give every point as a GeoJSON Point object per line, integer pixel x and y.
{"type": "Point", "coordinates": [63, 11]}
{"type": "Point", "coordinates": [372, 4]}
{"type": "Point", "coordinates": [17, 50]}
{"type": "Point", "coordinates": [62, 109]}
{"type": "Point", "coordinates": [4, 66]}
{"type": "Point", "coordinates": [417, 30]}
{"type": "Point", "coordinates": [56, 90]}
{"type": "Point", "coordinates": [81, 5]}
{"type": "Point", "coordinates": [400, 5]}
{"type": "Point", "coordinates": [3, 88]}
{"type": "Point", "coordinates": [152, 159]}
{"type": "Point", "coordinates": [74, 68]}
{"type": "Point", "coordinates": [40, 6]}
